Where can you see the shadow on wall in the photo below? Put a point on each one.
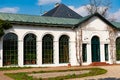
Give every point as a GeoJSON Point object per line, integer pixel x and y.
{"type": "Point", "coordinates": [110, 78]}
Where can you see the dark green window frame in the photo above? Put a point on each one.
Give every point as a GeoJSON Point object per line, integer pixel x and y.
{"type": "Point", "coordinates": [84, 52]}
{"type": "Point", "coordinates": [118, 49]}
{"type": "Point", "coordinates": [47, 49]}
{"type": "Point", "coordinates": [30, 49]}
{"type": "Point", "coordinates": [10, 49]}
{"type": "Point", "coordinates": [106, 52]}
{"type": "Point", "coordinates": [64, 49]}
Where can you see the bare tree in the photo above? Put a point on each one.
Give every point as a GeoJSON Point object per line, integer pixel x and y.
{"type": "Point", "coordinates": [98, 6]}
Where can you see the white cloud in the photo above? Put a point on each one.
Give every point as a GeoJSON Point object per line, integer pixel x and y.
{"type": "Point", "coordinates": [115, 16]}
{"type": "Point", "coordinates": [83, 11]}
{"type": "Point", "coordinates": [45, 2]}
{"type": "Point", "coordinates": [9, 9]}
{"type": "Point", "coordinates": [80, 10]}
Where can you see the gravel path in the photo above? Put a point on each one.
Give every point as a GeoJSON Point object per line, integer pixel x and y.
{"type": "Point", "coordinates": [112, 74]}
{"type": "Point", "coordinates": [4, 77]}
{"type": "Point", "coordinates": [56, 74]}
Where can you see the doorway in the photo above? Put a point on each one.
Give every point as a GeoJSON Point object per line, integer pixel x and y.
{"type": "Point", "coordinates": [95, 47]}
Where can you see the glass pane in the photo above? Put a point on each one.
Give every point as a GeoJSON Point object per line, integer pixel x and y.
{"type": "Point", "coordinates": [118, 48]}
{"type": "Point", "coordinates": [64, 49]}
{"type": "Point", "coordinates": [84, 52]}
{"type": "Point", "coordinates": [10, 49]}
{"type": "Point", "coordinates": [47, 49]}
{"type": "Point", "coordinates": [30, 49]}
{"type": "Point", "coordinates": [106, 52]}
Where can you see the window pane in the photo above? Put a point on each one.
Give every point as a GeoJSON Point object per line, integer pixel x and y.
{"type": "Point", "coordinates": [47, 49]}
{"type": "Point", "coordinates": [84, 52]}
{"type": "Point", "coordinates": [118, 48]}
{"type": "Point", "coordinates": [64, 49]}
{"type": "Point", "coordinates": [30, 49]}
{"type": "Point", "coordinates": [106, 52]}
{"type": "Point", "coordinates": [10, 49]}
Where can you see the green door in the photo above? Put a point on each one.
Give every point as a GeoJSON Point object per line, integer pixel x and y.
{"type": "Point", "coordinates": [95, 49]}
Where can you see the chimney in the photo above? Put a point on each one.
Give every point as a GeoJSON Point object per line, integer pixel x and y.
{"type": "Point", "coordinates": [57, 4]}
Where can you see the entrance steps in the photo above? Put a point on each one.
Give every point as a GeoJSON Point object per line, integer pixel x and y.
{"type": "Point", "coordinates": [99, 64]}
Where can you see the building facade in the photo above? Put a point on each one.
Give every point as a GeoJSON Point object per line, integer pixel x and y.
{"type": "Point", "coordinates": [40, 41]}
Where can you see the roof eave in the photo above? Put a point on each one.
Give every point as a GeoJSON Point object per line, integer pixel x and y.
{"type": "Point", "coordinates": [42, 24]}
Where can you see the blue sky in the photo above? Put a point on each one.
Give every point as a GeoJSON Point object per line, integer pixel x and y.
{"type": "Point", "coordinates": [37, 7]}
{"type": "Point", "coordinates": [33, 6]}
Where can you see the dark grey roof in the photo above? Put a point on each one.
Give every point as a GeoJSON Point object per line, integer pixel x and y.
{"type": "Point", "coordinates": [62, 11]}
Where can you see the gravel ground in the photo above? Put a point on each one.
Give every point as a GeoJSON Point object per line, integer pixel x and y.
{"type": "Point", "coordinates": [4, 77]}
{"type": "Point", "coordinates": [56, 74]}
{"type": "Point", "coordinates": [112, 74]}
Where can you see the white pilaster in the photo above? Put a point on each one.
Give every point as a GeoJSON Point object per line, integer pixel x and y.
{"type": "Point", "coordinates": [1, 54]}
{"type": "Point", "coordinates": [39, 53]}
{"type": "Point", "coordinates": [109, 55]}
{"type": "Point", "coordinates": [72, 53]}
{"type": "Point", "coordinates": [89, 54]}
{"type": "Point", "coordinates": [20, 53]}
{"type": "Point", "coordinates": [102, 53]}
{"type": "Point", "coordinates": [56, 53]}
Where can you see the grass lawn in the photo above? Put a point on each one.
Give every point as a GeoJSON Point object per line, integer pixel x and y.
{"type": "Point", "coordinates": [13, 68]}
{"type": "Point", "coordinates": [24, 76]}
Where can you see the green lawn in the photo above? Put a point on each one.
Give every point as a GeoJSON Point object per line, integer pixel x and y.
{"type": "Point", "coordinates": [24, 76]}
{"type": "Point", "coordinates": [13, 68]}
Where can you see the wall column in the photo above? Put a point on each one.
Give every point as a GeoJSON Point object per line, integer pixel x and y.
{"type": "Point", "coordinates": [39, 53]}
{"type": "Point", "coordinates": [109, 55]}
{"type": "Point", "coordinates": [72, 53]}
{"type": "Point", "coordinates": [89, 54]}
{"type": "Point", "coordinates": [102, 53]}
{"type": "Point", "coordinates": [56, 53]}
{"type": "Point", "coordinates": [20, 53]}
{"type": "Point", "coordinates": [1, 54]}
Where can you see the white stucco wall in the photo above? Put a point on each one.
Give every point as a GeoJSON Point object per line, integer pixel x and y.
{"type": "Point", "coordinates": [39, 31]}
{"type": "Point", "coordinates": [95, 27]}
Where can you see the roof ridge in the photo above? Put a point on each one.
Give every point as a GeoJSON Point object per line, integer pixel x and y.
{"type": "Point", "coordinates": [57, 8]}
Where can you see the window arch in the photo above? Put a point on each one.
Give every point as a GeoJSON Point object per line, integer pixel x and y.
{"type": "Point", "coordinates": [47, 49]}
{"type": "Point", "coordinates": [10, 49]}
{"type": "Point", "coordinates": [64, 49]}
{"type": "Point", "coordinates": [30, 49]}
{"type": "Point", "coordinates": [118, 48]}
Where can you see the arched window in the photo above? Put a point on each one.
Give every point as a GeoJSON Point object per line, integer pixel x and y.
{"type": "Point", "coordinates": [64, 49]}
{"type": "Point", "coordinates": [47, 49]}
{"type": "Point", "coordinates": [30, 49]}
{"type": "Point", "coordinates": [118, 48]}
{"type": "Point", "coordinates": [10, 49]}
